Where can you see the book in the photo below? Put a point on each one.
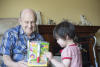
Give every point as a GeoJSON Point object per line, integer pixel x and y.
{"type": "Point", "coordinates": [36, 53]}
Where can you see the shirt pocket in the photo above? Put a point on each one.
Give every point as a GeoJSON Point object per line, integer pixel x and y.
{"type": "Point", "coordinates": [19, 52]}
{"type": "Point", "coordinates": [19, 48]}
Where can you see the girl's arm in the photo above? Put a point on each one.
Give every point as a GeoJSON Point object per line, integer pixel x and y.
{"type": "Point", "coordinates": [64, 63]}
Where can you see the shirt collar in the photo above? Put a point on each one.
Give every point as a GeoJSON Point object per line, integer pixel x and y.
{"type": "Point", "coordinates": [33, 36]}
{"type": "Point", "coordinates": [21, 30]}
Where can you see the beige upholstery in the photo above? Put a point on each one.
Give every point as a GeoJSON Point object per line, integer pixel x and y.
{"type": "Point", "coordinates": [5, 24]}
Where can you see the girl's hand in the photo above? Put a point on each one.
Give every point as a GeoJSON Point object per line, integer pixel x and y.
{"type": "Point", "coordinates": [49, 55]}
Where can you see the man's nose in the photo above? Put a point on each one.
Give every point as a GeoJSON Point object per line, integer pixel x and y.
{"type": "Point", "coordinates": [29, 25]}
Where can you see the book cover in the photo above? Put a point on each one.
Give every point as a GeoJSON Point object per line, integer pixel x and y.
{"type": "Point", "coordinates": [36, 53]}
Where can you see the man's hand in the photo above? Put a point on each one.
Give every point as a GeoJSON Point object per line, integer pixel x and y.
{"type": "Point", "coordinates": [22, 64]}
{"type": "Point", "coordinates": [19, 64]}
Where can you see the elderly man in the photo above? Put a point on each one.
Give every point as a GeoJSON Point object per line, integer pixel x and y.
{"type": "Point", "coordinates": [15, 40]}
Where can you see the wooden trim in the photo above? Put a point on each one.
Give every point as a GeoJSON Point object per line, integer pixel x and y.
{"type": "Point", "coordinates": [98, 48]}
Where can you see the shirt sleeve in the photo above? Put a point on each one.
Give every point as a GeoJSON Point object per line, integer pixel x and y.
{"type": "Point", "coordinates": [7, 42]}
{"type": "Point", "coordinates": [66, 54]}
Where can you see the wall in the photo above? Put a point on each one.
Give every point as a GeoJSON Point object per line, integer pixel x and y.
{"type": "Point", "coordinates": [54, 9]}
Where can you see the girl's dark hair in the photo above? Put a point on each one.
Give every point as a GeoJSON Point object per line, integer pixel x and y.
{"type": "Point", "coordinates": [63, 29]}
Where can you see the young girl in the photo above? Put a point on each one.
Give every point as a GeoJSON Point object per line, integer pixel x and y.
{"type": "Point", "coordinates": [70, 55]}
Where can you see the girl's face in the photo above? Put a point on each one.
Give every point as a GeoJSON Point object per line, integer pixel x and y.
{"type": "Point", "coordinates": [61, 42]}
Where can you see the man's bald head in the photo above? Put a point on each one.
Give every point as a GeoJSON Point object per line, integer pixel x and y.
{"type": "Point", "coordinates": [28, 12]}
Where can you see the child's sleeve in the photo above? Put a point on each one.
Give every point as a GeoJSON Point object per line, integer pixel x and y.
{"type": "Point", "coordinates": [66, 54]}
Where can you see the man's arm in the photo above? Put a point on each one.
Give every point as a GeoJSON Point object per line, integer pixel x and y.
{"type": "Point", "coordinates": [10, 63]}
{"type": "Point", "coordinates": [8, 42]}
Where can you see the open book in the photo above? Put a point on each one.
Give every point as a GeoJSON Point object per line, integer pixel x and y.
{"type": "Point", "coordinates": [36, 53]}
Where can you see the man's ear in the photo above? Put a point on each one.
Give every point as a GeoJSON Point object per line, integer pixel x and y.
{"type": "Point", "coordinates": [67, 37]}
{"type": "Point", "coordinates": [19, 20]}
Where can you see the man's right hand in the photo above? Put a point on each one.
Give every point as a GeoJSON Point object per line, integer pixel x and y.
{"type": "Point", "coordinates": [22, 64]}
